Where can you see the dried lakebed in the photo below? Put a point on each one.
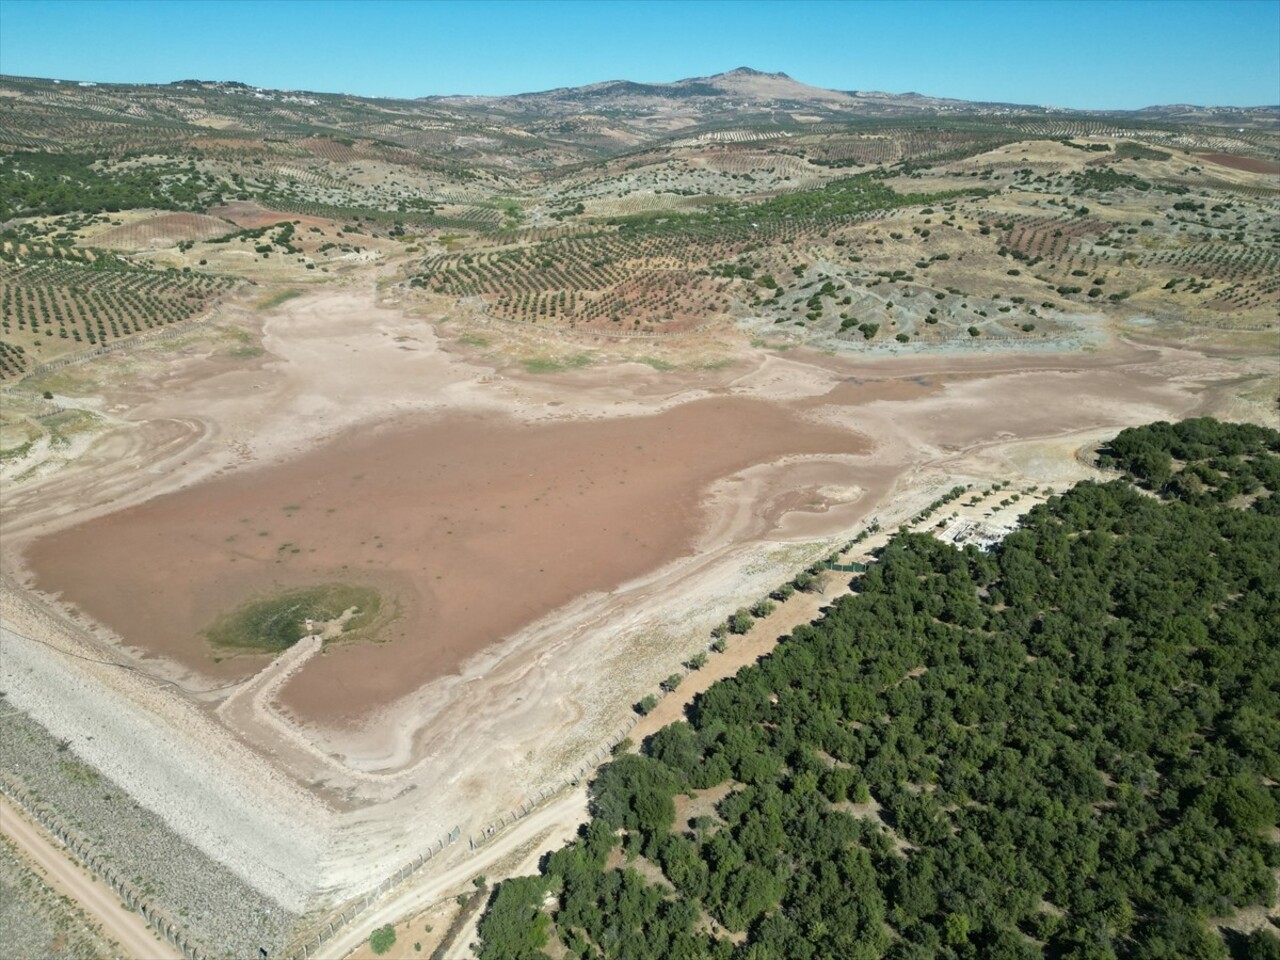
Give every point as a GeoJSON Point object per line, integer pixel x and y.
{"type": "Point", "coordinates": [470, 527]}
{"type": "Point", "coordinates": [608, 518]}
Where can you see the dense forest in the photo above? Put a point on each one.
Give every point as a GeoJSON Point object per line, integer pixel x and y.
{"type": "Point", "coordinates": [50, 184]}
{"type": "Point", "coordinates": [1067, 747]}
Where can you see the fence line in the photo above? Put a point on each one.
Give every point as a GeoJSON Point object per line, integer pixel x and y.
{"type": "Point", "coordinates": [576, 332]}
{"type": "Point", "coordinates": [491, 830]}
{"type": "Point", "coordinates": [182, 328]}
{"type": "Point", "coordinates": [329, 927]}
{"type": "Point", "coordinates": [846, 567]}
{"type": "Point", "coordinates": [155, 917]}
{"type": "Point", "coordinates": [326, 929]}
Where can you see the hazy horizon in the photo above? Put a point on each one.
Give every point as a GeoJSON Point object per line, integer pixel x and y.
{"type": "Point", "coordinates": [1081, 55]}
{"type": "Point", "coordinates": [521, 93]}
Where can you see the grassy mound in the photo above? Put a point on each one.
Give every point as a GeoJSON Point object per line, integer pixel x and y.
{"type": "Point", "coordinates": [275, 623]}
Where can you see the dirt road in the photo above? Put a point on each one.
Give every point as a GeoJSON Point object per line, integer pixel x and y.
{"type": "Point", "coordinates": [92, 896]}
{"type": "Point", "coordinates": [518, 848]}
{"type": "Point", "coordinates": [548, 827]}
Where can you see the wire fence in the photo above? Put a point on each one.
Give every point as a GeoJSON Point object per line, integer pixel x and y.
{"type": "Point", "coordinates": [155, 336]}
{"type": "Point", "coordinates": [333, 924]}
{"type": "Point", "coordinates": [156, 918]}
{"type": "Point", "coordinates": [309, 945]}
{"type": "Point", "coordinates": [491, 830]}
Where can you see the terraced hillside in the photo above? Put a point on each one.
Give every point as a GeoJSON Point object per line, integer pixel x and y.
{"type": "Point", "coordinates": [872, 221]}
{"type": "Point", "coordinates": [1012, 242]}
{"type": "Point", "coordinates": [49, 305]}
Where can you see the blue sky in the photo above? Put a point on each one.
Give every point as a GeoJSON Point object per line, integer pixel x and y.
{"type": "Point", "coordinates": [1079, 53]}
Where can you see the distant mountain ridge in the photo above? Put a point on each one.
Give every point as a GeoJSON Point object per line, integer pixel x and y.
{"type": "Point", "coordinates": [762, 89]}
{"type": "Point", "coordinates": [543, 130]}
{"type": "Point", "coordinates": [754, 91]}
{"type": "Point", "coordinates": [757, 87]}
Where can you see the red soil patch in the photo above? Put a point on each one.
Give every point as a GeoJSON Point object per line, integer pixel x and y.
{"type": "Point", "coordinates": [473, 525]}
{"type": "Point", "coordinates": [250, 216]}
{"type": "Point", "coordinates": [1249, 164]}
{"type": "Point", "coordinates": [856, 390]}
{"type": "Point", "coordinates": [328, 149]}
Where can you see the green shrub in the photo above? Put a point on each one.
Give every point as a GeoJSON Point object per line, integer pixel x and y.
{"type": "Point", "coordinates": [763, 608]}
{"type": "Point", "coordinates": [383, 939]}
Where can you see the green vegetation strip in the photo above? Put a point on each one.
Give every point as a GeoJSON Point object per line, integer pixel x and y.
{"type": "Point", "coordinates": [1065, 748]}
{"type": "Point", "coordinates": [272, 624]}
{"type": "Point", "coordinates": [557, 364]}
{"type": "Point", "coordinates": [266, 303]}
{"type": "Point", "coordinates": [848, 197]}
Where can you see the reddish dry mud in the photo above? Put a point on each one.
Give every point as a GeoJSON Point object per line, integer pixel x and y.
{"type": "Point", "coordinates": [473, 525]}
{"type": "Point", "coordinates": [249, 215]}
{"type": "Point", "coordinates": [1248, 164]}
{"type": "Point", "coordinates": [476, 525]}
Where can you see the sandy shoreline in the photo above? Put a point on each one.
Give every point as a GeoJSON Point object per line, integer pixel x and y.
{"type": "Point", "coordinates": [316, 811]}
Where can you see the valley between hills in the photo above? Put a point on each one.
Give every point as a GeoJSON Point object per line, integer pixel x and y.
{"type": "Point", "coordinates": [374, 469]}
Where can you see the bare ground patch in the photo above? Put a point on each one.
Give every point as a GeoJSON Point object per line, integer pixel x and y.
{"type": "Point", "coordinates": [279, 433]}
